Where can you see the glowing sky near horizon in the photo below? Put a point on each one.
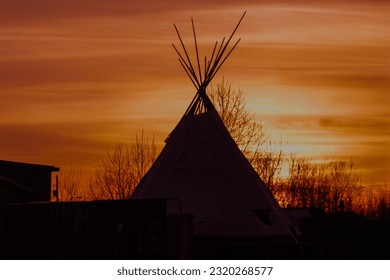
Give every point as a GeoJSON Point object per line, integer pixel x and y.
{"type": "Point", "coordinates": [77, 78]}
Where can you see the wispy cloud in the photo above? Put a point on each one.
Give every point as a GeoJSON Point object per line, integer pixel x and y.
{"type": "Point", "coordinates": [76, 76]}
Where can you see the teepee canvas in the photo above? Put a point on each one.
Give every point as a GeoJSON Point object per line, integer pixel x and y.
{"type": "Point", "coordinates": [202, 168]}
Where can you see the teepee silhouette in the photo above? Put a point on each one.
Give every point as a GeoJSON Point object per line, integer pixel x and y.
{"type": "Point", "coordinates": [204, 170]}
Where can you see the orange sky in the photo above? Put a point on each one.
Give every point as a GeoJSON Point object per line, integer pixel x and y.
{"type": "Point", "coordinates": [76, 78]}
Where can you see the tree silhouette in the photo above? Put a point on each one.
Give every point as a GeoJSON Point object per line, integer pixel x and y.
{"type": "Point", "coordinates": [246, 131]}
{"type": "Point", "coordinates": [375, 203]}
{"type": "Point", "coordinates": [249, 134]}
{"type": "Point", "coordinates": [69, 185]}
{"type": "Point", "coordinates": [332, 186]}
{"type": "Point", "coordinates": [117, 176]}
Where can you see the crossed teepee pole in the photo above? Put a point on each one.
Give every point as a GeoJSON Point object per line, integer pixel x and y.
{"type": "Point", "coordinates": [201, 78]}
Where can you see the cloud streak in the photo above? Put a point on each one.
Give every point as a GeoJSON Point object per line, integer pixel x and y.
{"type": "Point", "coordinates": [79, 76]}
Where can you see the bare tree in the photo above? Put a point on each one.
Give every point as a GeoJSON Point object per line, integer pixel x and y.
{"type": "Point", "coordinates": [266, 157]}
{"type": "Point", "coordinates": [143, 153]}
{"type": "Point", "coordinates": [117, 176]}
{"type": "Point", "coordinates": [300, 182]}
{"type": "Point", "coordinates": [375, 203]}
{"type": "Point", "coordinates": [333, 186]}
{"type": "Point", "coordinates": [69, 185]}
{"type": "Point", "coordinates": [268, 163]}
{"type": "Point", "coordinates": [246, 131]}
{"type": "Point", "coordinates": [345, 185]}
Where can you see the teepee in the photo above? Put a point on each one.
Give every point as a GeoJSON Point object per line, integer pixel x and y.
{"type": "Point", "coordinates": [202, 168]}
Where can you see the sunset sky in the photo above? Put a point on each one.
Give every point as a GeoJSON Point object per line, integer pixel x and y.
{"type": "Point", "coordinates": [77, 77]}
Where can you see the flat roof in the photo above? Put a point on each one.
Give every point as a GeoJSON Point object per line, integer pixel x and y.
{"type": "Point", "coordinates": [6, 163]}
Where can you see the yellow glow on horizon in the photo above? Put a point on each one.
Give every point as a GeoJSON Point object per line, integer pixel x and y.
{"type": "Point", "coordinates": [73, 83]}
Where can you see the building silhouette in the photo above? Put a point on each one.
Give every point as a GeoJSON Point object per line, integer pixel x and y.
{"type": "Point", "coordinates": [25, 182]}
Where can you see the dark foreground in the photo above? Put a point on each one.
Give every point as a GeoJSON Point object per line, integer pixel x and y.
{"type": "Point", "coordinates": [141, 229]}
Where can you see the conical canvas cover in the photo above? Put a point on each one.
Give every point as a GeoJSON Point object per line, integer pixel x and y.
{"type": "Point", "coordinates": [204, 169]}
